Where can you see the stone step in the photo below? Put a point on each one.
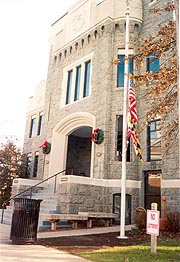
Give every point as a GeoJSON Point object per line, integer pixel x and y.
{"type": "Point", "coordinates": [48, 205]}
{"type": "Point", "coordinates": [7, 216]}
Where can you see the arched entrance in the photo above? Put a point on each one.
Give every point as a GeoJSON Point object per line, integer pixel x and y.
{"type": "Point", "coordinates": [78, 159]}
{"type": "Point", "coordinates": [71, 143]}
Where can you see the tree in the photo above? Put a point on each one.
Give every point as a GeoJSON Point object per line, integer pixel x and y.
{"type": "Point", "coordinates": [160, 92]}
{"type": "Point", "coordinates": [11, 166]}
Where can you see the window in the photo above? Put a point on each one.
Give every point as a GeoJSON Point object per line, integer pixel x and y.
{"type": "Point", "coordinates": [117, 207]}
{"type": "Point", "coordinates": [40, 124]}
{"type": "Point", "coordinates": [77, 84]}
{"type": "Point", "coordinates": [119, 140]}
{"type": "Point", "coordinates": [86, 78]}
{"type": "Point", "coordinates": [154, 141]}
{"type": "Point", "coordinates": [69, 87]}
{"type": "Point", "coordinates": [28, 165]}
{"type": "Point", "coordinates": [35, 168]}
{"type": "Point", "coordinates": [32, 127]}
{"type": "Point", "coordinates": [120, 69]}
{"type": "Point", "coordinates": [76, 81]}
{"type": "Point", "coordinates": [152, 64]}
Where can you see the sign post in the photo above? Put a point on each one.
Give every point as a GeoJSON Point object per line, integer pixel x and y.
{"type": "Point", "coordinates": [153, 226]}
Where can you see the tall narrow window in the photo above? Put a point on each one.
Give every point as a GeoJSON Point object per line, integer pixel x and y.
{"type": "Point", "coordinates": [77, 84]}
{"type": "Point", "coordinates": [69, 87]}
{"type": "Point", "coordinates": [32, 127]}
{"type": "Point", "coordinates": [87, 78]}
{"type": "Point", "coordinates": [154, 141]}
{"type": "Point", "coordinates": [153, 64]}
{"type": "Point", "coordinates": [120, 70]}
{"type": "Point", "coordinates": [35, 168]}
{"type": "Point", "coordinates": [28, 165]}
{"type": "Point", "coordinates": [120, 140]}
{"type": "Point", "coordinates": [40, 124]}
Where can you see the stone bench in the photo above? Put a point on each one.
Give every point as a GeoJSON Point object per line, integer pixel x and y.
{"type": "Point", "coordinates": [74, 218]}
{"type": "Point", "coordinates": [81, 216]}
{"type": "Point", "coordinates": [106, 217]}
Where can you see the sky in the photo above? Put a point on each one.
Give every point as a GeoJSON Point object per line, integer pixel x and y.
{"type": "Point", "coordinates": [24, 55]}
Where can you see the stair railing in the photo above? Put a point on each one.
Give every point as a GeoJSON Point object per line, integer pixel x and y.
{"type": "Point", "coordinates": [31, 189]}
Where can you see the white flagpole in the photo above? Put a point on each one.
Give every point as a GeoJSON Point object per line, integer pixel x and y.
{"type": "Point", "coordinates": [125, 114]}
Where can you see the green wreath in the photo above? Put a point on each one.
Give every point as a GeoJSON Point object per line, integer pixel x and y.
{"type": "Point", "coordinates": [97, 136]}
{"type": "Point", "coordinates": [46, 149]}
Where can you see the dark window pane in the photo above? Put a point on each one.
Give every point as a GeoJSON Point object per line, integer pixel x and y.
{"type": "Point", "coordinates": [35, 169]}
{"type": "Point", "coordinates": [120, 70]}
{"type": "Point", "coordinates": [69, 87]}
{"type": "Point", "coordinates": [28, 164]}
{"type": "Point", "coordinates": [87, 78]}
{"type": "Point", "coordinates": [120, 140]}
{"type": "Point", "coordinates": [77, 85]}
{"type": "Point", "coordinates": [154, 141]}
{"type": "Point", "coordinates": [152, 64]}
{"type": "Point", "coordinates": [117, 207]}
{"type": "Point", "coordinates": [32, 127]}
{"type": "Point", "coordinates": [39, 125]}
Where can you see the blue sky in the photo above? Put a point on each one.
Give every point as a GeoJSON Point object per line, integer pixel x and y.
{"type": "Point", "coordinates": [24, 49]}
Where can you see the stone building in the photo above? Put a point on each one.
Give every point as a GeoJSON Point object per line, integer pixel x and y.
{"type": "Point", "coordinates": [84, 91]}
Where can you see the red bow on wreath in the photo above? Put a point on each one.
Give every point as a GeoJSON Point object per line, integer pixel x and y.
{"type": "Point", "coordinates": [44, 144]}
{"type": "Point", "coordinates": [46, 147]}
{"type": "Point", "coordinates": [94, 136]}
{"type": "Point", "coordinates": [97, 136]}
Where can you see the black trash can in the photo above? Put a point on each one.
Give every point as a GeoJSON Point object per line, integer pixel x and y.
{"type": "Point", "coordinates": [25, 220]}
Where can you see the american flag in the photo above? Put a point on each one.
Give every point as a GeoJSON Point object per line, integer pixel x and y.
{"type": "Point", "coordinates": [132, 103]}
{"type": "Point", "coordinates": [133, 120]}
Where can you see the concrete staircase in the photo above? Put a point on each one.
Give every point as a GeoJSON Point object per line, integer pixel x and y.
{"type": "Point", "coordinates": [7, 217]}
{"type": "Point", "coordinates": [48, 205]}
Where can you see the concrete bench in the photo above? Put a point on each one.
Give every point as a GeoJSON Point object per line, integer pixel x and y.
{"type": "Point", "coordinates": [106, 217]}
{"type": "Point", "coordinates": [74, 218]}
{"type": "Point", "coordinates": [81, 216]}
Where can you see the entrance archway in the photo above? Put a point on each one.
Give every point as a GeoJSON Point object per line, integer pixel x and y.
{"type": "Point", "coordinates": [79, 152]}
{"type": "Point", "coordinates": [75, 126]}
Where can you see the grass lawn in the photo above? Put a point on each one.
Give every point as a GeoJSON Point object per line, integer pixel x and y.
{"type": "Point", "coordinates": [166, 252]}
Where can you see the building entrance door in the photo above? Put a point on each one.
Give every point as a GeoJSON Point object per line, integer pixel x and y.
{"type": "Point", "coordinates": [152, 189]}
{"type": "Point", "coordinates": [79, 152]}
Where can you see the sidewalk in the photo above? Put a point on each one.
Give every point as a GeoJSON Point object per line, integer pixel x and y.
{"type": "Point", "coordinates": [35, 253]}
{"type": "Point", "coordinates": [30, 253]}
{"type": "Point", "coordinates": [80, 232]}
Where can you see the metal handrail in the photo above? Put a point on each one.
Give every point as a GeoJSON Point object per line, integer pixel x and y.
{"type": "Point", "coordinates": [30, 189]}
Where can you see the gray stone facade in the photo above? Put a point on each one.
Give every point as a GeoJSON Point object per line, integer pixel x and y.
{"type": "Point", "coordinates": [105, 103]}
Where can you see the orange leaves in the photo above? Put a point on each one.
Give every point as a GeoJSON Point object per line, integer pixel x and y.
{"type": "Point", "coordinates": [170, 7]}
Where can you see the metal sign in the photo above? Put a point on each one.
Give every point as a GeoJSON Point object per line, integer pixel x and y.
{"type": "Point", "coordinates": [152, 222]}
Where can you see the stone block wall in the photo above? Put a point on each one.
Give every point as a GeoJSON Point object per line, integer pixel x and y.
{"type": "Point", "coordinates": [74, 198]}
{"type": "Point", "coordinates": [172, 198]}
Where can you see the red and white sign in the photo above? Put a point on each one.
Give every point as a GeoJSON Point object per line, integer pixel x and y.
{"type": "Point", "coordinates": [152, 226]}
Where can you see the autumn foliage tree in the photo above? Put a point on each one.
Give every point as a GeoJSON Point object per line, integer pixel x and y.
{"type": "Point", "coordinates": [11, 166]}
{"type": "Point", "coordinates": [160, 92]}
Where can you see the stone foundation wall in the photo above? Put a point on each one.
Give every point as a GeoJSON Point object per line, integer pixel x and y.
{"type": "Point", "coordinates": [172, 198]}
{"type": "Point", "coordinates": [77, 197]}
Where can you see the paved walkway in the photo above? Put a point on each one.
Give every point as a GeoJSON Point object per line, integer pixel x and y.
{"type": "Point", "coordinates": [36, 253]}
{"type": "Point", "coordinates": [30, 253]}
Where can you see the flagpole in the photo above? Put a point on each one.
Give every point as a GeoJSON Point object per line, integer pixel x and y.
{"type": "Point", "coordinates": [125, 114]}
